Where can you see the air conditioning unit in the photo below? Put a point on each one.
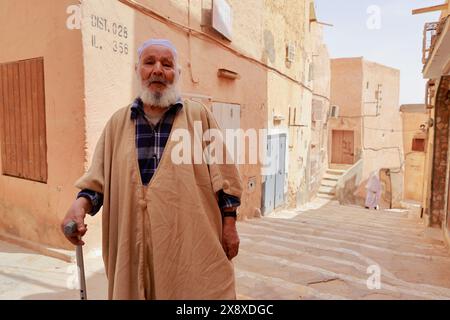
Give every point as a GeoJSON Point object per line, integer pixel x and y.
{"type": "Point", "coordinates": [334, 112]}
{"type": "Point", "coordinates": [290, 52]}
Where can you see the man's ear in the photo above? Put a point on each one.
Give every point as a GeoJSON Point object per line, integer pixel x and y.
{"type": "Point", "coordinates": [136, 70]}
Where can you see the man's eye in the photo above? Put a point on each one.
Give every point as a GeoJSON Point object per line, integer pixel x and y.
{"type": "Point", "coordinates": [150, 62]}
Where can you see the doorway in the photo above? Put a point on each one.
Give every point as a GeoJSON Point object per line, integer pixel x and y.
{"type": "Point", "coordinates": [342, 147]}
{"type": "Point", "coordinates": [273, 186]}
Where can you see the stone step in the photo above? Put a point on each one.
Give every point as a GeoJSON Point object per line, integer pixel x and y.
{"type": "Point", "coordinates": [335, 166]}
{"type": "Point", "coordinates": [327, 190]}
{"type": "Point", "coordinates": [331, 177]}
{"type": "Point", "coordinates": [325, 196]}
{"type": "Point", "coordinates": [335, 172]}
{"type": "Point", "coordinates": [329, 183]}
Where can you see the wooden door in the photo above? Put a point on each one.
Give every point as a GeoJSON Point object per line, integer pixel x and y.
{"type": "Point", "coordinates": [342, 147]}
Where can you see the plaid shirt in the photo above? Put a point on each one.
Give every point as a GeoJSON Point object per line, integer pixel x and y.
{"type": "Point", "coordinates": [150, 143]}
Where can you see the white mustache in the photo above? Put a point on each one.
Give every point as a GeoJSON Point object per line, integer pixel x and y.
{"type": "Point", "coordinates": [155, 79]}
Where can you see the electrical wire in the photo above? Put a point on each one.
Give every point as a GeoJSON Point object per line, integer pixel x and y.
{"type": "Point", "coordinates": [392, 130]}
{"type": "Point", "coordinates": [202, 35]}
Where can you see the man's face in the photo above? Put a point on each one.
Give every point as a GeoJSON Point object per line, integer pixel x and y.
{"type": "Point", "coordinates": [157, 69]}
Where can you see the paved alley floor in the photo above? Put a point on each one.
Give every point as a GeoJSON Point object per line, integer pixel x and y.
{"type": "Point", "coordinates": [339, 252]}
{"type": "Point", "coordinates": [26, 275]}
{"type": "Point", "coordinates": [324, 251]}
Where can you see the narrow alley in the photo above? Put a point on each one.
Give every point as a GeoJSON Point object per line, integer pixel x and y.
{"type": "Point", "coordinates": [321, 252]}
{"type": "Point", "coordinates": [306, 141]}
{"type": "Point", "coordinates": [325, 253]}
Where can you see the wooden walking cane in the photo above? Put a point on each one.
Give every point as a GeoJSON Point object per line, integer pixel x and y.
{"type": "Point", "coordinates": [70, 229]}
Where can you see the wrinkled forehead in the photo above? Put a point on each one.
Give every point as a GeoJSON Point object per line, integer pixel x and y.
{"type": "Point", "coordinates": [157, 52]}
{"type": "Point", "coordinates": [161, 46]}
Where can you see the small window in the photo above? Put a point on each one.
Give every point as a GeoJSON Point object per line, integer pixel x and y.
{"type": "Point", "coordinates": [418, 144]}
{"type": "Point", "coordinates": [334, 112]}
{"type": "Point", "coordinates": [22, 120]}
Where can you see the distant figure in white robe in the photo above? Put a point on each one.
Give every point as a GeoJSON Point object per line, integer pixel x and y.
{"type": "Point", "coordinates": [373, 191]}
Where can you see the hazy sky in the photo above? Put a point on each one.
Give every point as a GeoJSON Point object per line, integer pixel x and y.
{"type": "Point", "coordinates": [395, 39]}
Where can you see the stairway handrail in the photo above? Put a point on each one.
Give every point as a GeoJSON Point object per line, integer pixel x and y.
{"type": "Point", "coordinates": [348, 173]}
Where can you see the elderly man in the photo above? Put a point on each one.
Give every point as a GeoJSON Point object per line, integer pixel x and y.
{"type": "Point", "coordinates": [169, 230]}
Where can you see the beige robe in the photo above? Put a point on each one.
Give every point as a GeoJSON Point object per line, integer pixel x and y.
{"type": "Point", "coordinates": [163, 240]}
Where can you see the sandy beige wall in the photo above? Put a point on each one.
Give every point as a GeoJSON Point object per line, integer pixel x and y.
{"type": "Point", "coordinates": [414, 161]}
{"type": "Point", "coordinates": [32, 210]}
{"type": "Point", "coordinates": [346, 85]}
{"type": "Point", "coordinates": [353, 85]}
{"type": "Point", "coordinates": [378, 131]}
{"type": "Point", "coordinates": [248, 20]}
{"type": "Point", "coordinates": [383, 138]}
{"type": "Point", "coordinates": [321, 95]}
{"type": "Point", "coordinates": [288, 23]}
{"type": "Point", "coordinates": [281, 96]}
{"type": "Point", "coordinates": [111, 81]}
{"type": "Point", "coordinates": [346, 93]}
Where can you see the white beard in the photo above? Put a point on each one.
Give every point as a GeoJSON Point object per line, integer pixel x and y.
{"type": "Point", "coordinates": [165, 99]}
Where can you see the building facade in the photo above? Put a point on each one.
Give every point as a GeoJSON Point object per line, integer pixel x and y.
{"type": "Point", "coordinates": [254, 71]}
{"type": "Point", "coordinates": [321, 73]}
{"type": "Point", "coordinates": [436, 60]}
{"type": "Point", "coordinates": [415, 123]}
{"type": "Point", "coordinates": [293, 45]}
{"type": "Point", "coordinates": [365, 127]}
{"type": "Point", "coordinates": [42, 119]}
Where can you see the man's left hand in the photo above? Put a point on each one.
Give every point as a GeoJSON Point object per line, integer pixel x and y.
{"type": "Point", "coordinates": [230, 237]}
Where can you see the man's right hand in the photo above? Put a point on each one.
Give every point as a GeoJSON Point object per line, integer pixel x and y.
{"type": "Point", "coordinates": [77, 213]}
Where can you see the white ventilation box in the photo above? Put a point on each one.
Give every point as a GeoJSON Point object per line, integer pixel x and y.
{"type": "Point", "coordinates": [290, 52]}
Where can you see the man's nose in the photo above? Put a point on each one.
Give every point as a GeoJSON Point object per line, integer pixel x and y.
{"type": "Point", "coordinates": [157, 69]}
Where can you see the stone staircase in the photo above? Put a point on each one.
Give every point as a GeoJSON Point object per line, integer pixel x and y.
{"type": "Point", "coordinates": [327, 189]}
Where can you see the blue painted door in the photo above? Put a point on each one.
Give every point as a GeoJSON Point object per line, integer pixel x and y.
{"type": "Point", "coordinates": [281, 170]}
{"type": "Point", "coordinates": [273, 186]}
